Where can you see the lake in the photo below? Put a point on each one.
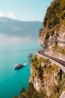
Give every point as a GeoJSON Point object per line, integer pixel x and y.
{"type": "Point", "coordinates": [12, 81]}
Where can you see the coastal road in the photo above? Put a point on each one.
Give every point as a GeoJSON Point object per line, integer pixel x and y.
{"type": "Point", "coordinates": [59, 41]}
{"type": "Point", "coordinates": [41, 52]}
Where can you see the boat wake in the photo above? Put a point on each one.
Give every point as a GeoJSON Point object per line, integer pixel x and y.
{"type": "Point", "coordinates": [25, 64]}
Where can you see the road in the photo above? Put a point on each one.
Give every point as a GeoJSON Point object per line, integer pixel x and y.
{"type": "Point", "coordinates": [59, 41]}
{"type": "Point", "coordinates": [41, 52]}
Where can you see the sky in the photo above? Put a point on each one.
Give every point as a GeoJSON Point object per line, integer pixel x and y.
{"type": "Point", "coordinates": [24, 10]}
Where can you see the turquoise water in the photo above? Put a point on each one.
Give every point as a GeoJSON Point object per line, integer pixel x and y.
{"type": "Point", "coordinates": [12, 81]}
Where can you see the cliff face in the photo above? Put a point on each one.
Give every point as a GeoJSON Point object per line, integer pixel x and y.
{"type": "Point", "coordinates": [48, 65]}
{"type": "Point", "coordinates": [47, 76]}
{"type": "Point", "coordinates": [44, 75]}
{"type": "Point", "coordinates": [55, 43]}
{"type": "Point", "coordinates": [52, 35]}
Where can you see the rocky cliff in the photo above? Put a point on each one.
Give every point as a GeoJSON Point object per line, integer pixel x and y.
{"type": "Point", "coordinates": [52, 35]}
{"type": "Point", "coordinates": [47, 75]}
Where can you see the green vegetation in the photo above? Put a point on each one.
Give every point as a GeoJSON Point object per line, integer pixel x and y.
{"type": "Point", "coordinates": [36, 66]}
{"type": "Point", "coordinates": [58, 89]}
{"type": "Point", "coordinates": [31, 93]}
{"type": "Point", "coordinates": [55, 13]}
{"type": "Point", "coordinates": [30, 57]}
{"type": "Point", "coordinates": [49, 69]}
{"type": "Point", "coordinates": [54, 18]}
{"type": "Point", "coordinates": [59, 49]}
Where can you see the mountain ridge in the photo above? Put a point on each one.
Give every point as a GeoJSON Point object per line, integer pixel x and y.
{"type": "Point", "coordinates": [13, 27]}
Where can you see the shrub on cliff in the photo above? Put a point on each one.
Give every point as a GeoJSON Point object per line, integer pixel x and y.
{"type": "Point", "coordinates": [55, 13]}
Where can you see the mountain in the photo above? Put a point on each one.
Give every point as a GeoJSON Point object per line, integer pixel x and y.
{"type": "Point", "coordinates": [10, 27]}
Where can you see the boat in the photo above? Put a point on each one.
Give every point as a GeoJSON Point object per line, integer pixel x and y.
{"type": "Point", "coordinates": [18, 66]}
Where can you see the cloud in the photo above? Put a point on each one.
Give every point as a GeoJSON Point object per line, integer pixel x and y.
{"type": "Point", "coordinates": [5, 38]}
{"type": "Point", "coordinates": [9, 15]}
{"type": "Point", "coordinates": [1, 14]}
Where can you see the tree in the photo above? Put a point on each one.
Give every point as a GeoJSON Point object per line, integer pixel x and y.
{"type": "Point", "coordinates": [30, 57]}
{"type": "Point", "coordinates": [23, 90]}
